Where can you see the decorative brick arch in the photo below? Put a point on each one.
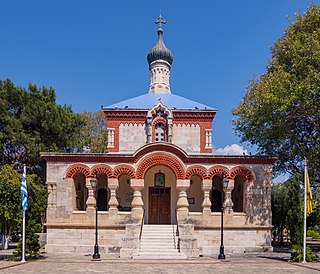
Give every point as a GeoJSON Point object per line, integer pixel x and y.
{"type": "Point", "coordinates": [160, 159]}
{"type": "Point", "coordinates": [102, 169]}
{"type": "Point", "coordinates": [218, 170]}
{"type": "Point", "coordinates": [196, 170]}
{"type": "Point", "coordinates": [124, 169]}
{"type": "Point", "coordinates": [78, 168]}
{"type": "Point", "coordinates": [241, 171]}
{"type": "Point", "coordinates": [159, 120]}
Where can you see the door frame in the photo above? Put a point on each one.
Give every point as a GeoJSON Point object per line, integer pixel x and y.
{"type": "Point", "coordinates": [150, 206]}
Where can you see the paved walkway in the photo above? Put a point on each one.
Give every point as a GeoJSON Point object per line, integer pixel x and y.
{"type": "Point", "coordinates": [76, 263]}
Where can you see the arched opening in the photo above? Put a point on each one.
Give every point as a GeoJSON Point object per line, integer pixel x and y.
{"type": "Point", "coordinates": [103, 192]}
{"type": "Point", "coordinates": [216, 194]}
{"type": "Point", "coordinates": [195, 194]}
{"type": "Point", "coordinates": [124, 193]}
{"type": "Point", "coordinates": [237, 193]}
{"type": "Point", "coordinates": [81, 191]}
{"type": "Point", "coordinates": [160, 195]}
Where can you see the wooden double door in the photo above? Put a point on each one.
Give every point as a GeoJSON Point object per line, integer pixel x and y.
{"type": "Point", "coordinates": [159, 205]}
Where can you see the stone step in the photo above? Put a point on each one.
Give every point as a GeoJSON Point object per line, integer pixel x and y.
{"type": "Point", "coordinates": [157, 236]}
{"type": "Point", "coordinates": [155, 256]}
{"type": "Point", "coordinates": [158, 242]}
{"type": "Point", "coordinates": [169, 246]}
{"type": "Point", "coordinates": [158, 231]}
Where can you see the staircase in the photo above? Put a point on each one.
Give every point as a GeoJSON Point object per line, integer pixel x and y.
{"type": "Point", "coordinates": [159, 242]}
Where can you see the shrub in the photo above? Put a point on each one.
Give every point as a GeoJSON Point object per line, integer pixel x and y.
{"type": "Point", "coordinates": [313, 233]}
{"type": "Point", "coordinates": [297, 254]}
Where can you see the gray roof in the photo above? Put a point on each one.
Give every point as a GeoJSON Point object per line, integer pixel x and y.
{"type": "Point", "coordinates": [148, 100]}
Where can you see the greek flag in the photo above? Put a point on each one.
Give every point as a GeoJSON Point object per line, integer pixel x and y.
{"type": "Point", "coordinates": [24, 189]}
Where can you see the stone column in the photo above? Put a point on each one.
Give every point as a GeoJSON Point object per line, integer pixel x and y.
{"type": "Point", "coordinates": [137, 202]}
{"type": "Point", "coordinates": [52, 200]}
{"type": "Point", "coordinates": [266, 202]}
{"type": "Point", "coordinates": [206, 204]}
{"type": "Point", "coordinates": [182, 203]}
{"type": "Point", "coordinates": [227, 203]}
{"type": "Point", "coordinates": [113, 184]}
{"type": "Point", "coordinates": [91, 201]}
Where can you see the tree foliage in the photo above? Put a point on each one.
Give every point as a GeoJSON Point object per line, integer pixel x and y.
{"type": "Point", "coordinates": [294, 216]}
{"type": "Point", "coordinates": [10, 203]}
{"type": "Point", "coordinates": [94, 132]}
{"type": "Point", "coordinates": [287, 210]}
{"type": "Point", "coordinates": [11, 208]}
{"type": "Point", "coordinates": [279, 209]}
{"type": "Point", "coordinates": [31, 121]}
{"type": "Point", "coordinates": [280, 112]}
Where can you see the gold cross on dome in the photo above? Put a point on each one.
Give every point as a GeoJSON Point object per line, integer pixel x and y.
{"type": "Point", "coordinates": [160, 21]}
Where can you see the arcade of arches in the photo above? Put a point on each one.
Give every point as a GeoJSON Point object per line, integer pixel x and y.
{"type": "Point", "coordinates": [158, 186]}
{"type": "Point", "coordinates": [195, 194]}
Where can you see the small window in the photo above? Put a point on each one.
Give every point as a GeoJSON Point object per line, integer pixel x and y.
{"type": "Point", "coordinates": [159, 132]}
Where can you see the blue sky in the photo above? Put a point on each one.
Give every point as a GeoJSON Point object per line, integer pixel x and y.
{"type": "Point", "coordinates": [94, 52]}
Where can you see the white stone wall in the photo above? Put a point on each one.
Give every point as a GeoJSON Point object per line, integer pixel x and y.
{"type": "Point", "coordinates": [81, 240]}
{"type": "Point", "coordinates": [131, 137]}
{"type": "Point", "coordinates": [235, 241]}
{"type": "Point", "coordinates": [187, 137]}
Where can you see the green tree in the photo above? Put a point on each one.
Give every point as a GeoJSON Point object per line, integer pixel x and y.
{"type": "Point", "coordinates": [279, 197]}
{"type": "Point", "coordinates": [10, 203]}
{"type": "Point", "coordinates": [294, 216]}
{"type": "Point", "coordinates": [94, 132]}
{"type": "Point", "coordinates": [280, 112]}
{"type": "Point", "coordinates": [31, 121]}
{"type": "Point", "coordinates": [11, 208]}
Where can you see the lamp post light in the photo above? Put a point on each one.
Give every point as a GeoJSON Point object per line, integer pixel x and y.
{"type": "Point", "coordinates": [96, 255]}
{"type": "Point", "coordinates": [225, 182]}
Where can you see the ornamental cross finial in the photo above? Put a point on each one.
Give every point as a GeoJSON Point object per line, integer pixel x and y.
{"type": "Point", "coordinates": [160, 21]}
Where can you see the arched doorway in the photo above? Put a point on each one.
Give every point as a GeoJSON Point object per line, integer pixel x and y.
{"type": "Point", "coordinates": [195, 194]}
{"type": "Point", "coordinates": [216, 194]}
{"type": "Point", "coordinates": [160, 195]}
{"type": "Point", "coordinates": [102, 198]}
{"type": "Point", "coordinates": [237, 193]}
{"type": "Point", "coordinates": [103, 193]}
{"type": "Point", "coordinates": [81, 191]}
{"type": "Point", "coordinates": [124, 193]}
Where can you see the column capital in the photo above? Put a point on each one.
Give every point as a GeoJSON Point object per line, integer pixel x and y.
{"type": "Point", "coordinates": [113, 183]}
{"type": "Point", "coordinates": [206, 184]}
{"type": "Point", "coordinates": [137, 184]}
{"type": "Point", "coordinates": [183, 184]}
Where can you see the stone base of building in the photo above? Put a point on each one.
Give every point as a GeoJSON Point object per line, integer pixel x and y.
{"type": "Point", "coordinates": [82, 240]}
{"type": "Point", "coordinates": [194, 241]}
{"type": "Point", "coordinates": [213, 251]}
{"type": "Point", "coordinates": [81, 249]}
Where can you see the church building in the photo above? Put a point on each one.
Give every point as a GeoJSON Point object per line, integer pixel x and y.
{"type": "Point", "coordinates": [158, 180]}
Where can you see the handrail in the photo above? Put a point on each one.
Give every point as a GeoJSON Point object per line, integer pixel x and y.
{"type": "Point", "coordinates": [141, 226]}
{"type": "Point", "coordinates": [176, 245]}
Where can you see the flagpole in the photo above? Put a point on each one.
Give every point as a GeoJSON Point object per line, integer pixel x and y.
{"type": "Point", "coordinates": [305, 213]}
{"type": "Point", "coordinates": [24, 202]}
{"type": "Point", "coordinates": [23, 235]}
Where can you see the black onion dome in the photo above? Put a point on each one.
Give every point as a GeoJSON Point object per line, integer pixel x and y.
{"type": "Point", "coordinates": [160, 51]}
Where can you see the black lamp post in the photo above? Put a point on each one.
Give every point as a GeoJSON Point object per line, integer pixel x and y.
{"type": "Point", "coordinates": [225, 182]}
{"type": "Point", "coordinates": [96, 255]}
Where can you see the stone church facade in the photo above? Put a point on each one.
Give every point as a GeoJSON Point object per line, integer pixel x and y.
{"type": "Point", "coordinates": [159, 169]}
